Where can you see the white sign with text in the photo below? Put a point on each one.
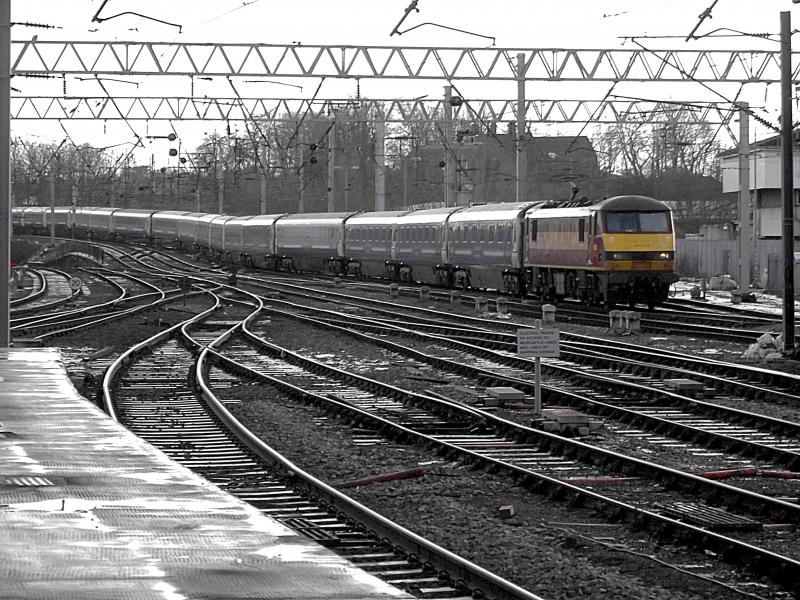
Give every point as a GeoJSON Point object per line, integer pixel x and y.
{"type": "Point", "coordinates": [538, 342]}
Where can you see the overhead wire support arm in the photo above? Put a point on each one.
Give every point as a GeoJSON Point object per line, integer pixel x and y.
{"type": "Point", "coordinates": [487, 37]}
{"type": "Point", "coordinates": [706, 14]}
{"type": "Point", "coordinates": [409, 8]}
{"type": "Point", "coordinates": [98, 19]}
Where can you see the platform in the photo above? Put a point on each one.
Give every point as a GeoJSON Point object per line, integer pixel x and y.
{"type": "Point", "coordinates": [89, 511]}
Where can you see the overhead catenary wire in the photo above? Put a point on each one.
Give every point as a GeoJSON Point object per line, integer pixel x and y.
{"type": "Point", "coordinates": [225, 14]}
{"type": "Point", "coordinates": [247, 128]}
{"type": "Point", "coordinates": [683, 72]}
{"type": "Point", "coordinates": [599, 107]}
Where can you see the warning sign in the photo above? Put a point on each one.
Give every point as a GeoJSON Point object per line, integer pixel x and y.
{"type": "Point", "coordinates": [537, 342]}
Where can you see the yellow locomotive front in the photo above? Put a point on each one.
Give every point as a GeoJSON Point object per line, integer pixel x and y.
{"type": "Point", "coordinates": [634, 249]}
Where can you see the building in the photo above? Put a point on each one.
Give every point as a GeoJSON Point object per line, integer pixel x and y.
{"type": "Point", "coordinates": [765, 185]}
{"type": "Point", "coordinates": [485, 169]}
{"type": "Point", "coordinates": [717, 251]}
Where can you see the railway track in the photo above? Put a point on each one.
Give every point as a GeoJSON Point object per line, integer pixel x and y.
{"type": "Point", "coordinates": [536, 458]}
{"type": "Point", "coordinates": [52, 291]}
{"type": "Point", "coordinates": [25, 294]}
{"type": "Point", "coordinates": [692, 320]}
{"type": "Point", "coordinates": [577, 381]}
{"type": "Point", "coordinates": [123, 303]}
{"type": "Point", "coordinates": [164, 394]}
{"type": "Point", "coordinates": [769, 382]}
{"type": "Point", "coordinates": [478, 335]}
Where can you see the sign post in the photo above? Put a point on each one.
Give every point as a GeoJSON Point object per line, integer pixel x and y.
{"type": "Point", "coordinates": [537, 343]}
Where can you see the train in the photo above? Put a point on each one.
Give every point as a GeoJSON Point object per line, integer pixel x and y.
{"type": "Point", "coordinates": [618, 250]}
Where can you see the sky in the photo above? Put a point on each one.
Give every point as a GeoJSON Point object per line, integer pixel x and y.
{"type": "Point", "coordinates": [518, 24]}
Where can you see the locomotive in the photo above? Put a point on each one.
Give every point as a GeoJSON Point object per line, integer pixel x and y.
{"type": "Point", "coordinates": [617, 250]}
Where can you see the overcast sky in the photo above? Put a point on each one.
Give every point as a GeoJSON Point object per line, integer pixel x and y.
{"type": "Point", "coordinates": [512, 23]}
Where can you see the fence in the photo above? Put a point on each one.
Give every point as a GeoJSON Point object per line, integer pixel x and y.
{"type": "Point", "coordinates": [705, 258]}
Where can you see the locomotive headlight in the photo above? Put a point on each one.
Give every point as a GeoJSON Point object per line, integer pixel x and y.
{"type": "Point", "coordinates": [665, 255]}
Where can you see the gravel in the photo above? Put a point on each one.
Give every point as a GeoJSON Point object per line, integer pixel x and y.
{"type": "Point", "coordinates": [552, 549]}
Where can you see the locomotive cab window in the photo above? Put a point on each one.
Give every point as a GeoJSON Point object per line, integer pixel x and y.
{"type": "Point", "coordinates": [655, 222]}
{"type": "Point", "coordinates": [638, 222]}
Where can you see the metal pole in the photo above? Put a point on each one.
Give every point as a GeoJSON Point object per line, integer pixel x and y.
{"type": "Point", "coordinates": [404, 166]}
{"type": "Point", "coordinates": [380, 163]}
{"type": "Point", "coordinates": [127, 172]}
{"type": "Point", "coordinates": [300, 182]}
{"type": "Point", "coordinates": [5, 162]}
{"type": "Point", "coordinates": [787, 183]}
{"type": "Point", "coordinates": [449, 200]}
{"type": "Point", "coordinates": [537, 379]}
{"type": "Point", "coordinates": [221, 186]}
{"type": "Point", "coordinates": [263, 208]}
{"type": "Point", "coordinates": [53, 203]}
{"type": "Point", "coordinates": [332, 168]}
{"type": "Point", "coordinates": [521, 156]}
{"type": "Point", "coordinates": [744, 198]}
{"type": "Point", "coordinates": [197, 193]}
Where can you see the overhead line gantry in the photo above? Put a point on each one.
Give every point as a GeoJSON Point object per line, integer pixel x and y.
{"type": "Point", "coordinates": [187, 108]}
{"type": "Point", "coordinates": [390, 62]}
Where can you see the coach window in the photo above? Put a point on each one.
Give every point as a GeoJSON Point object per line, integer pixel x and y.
{"type": "Point", "coordinates": [581, 230]}
{"type": "Point", "coordinates": [534, 226]}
